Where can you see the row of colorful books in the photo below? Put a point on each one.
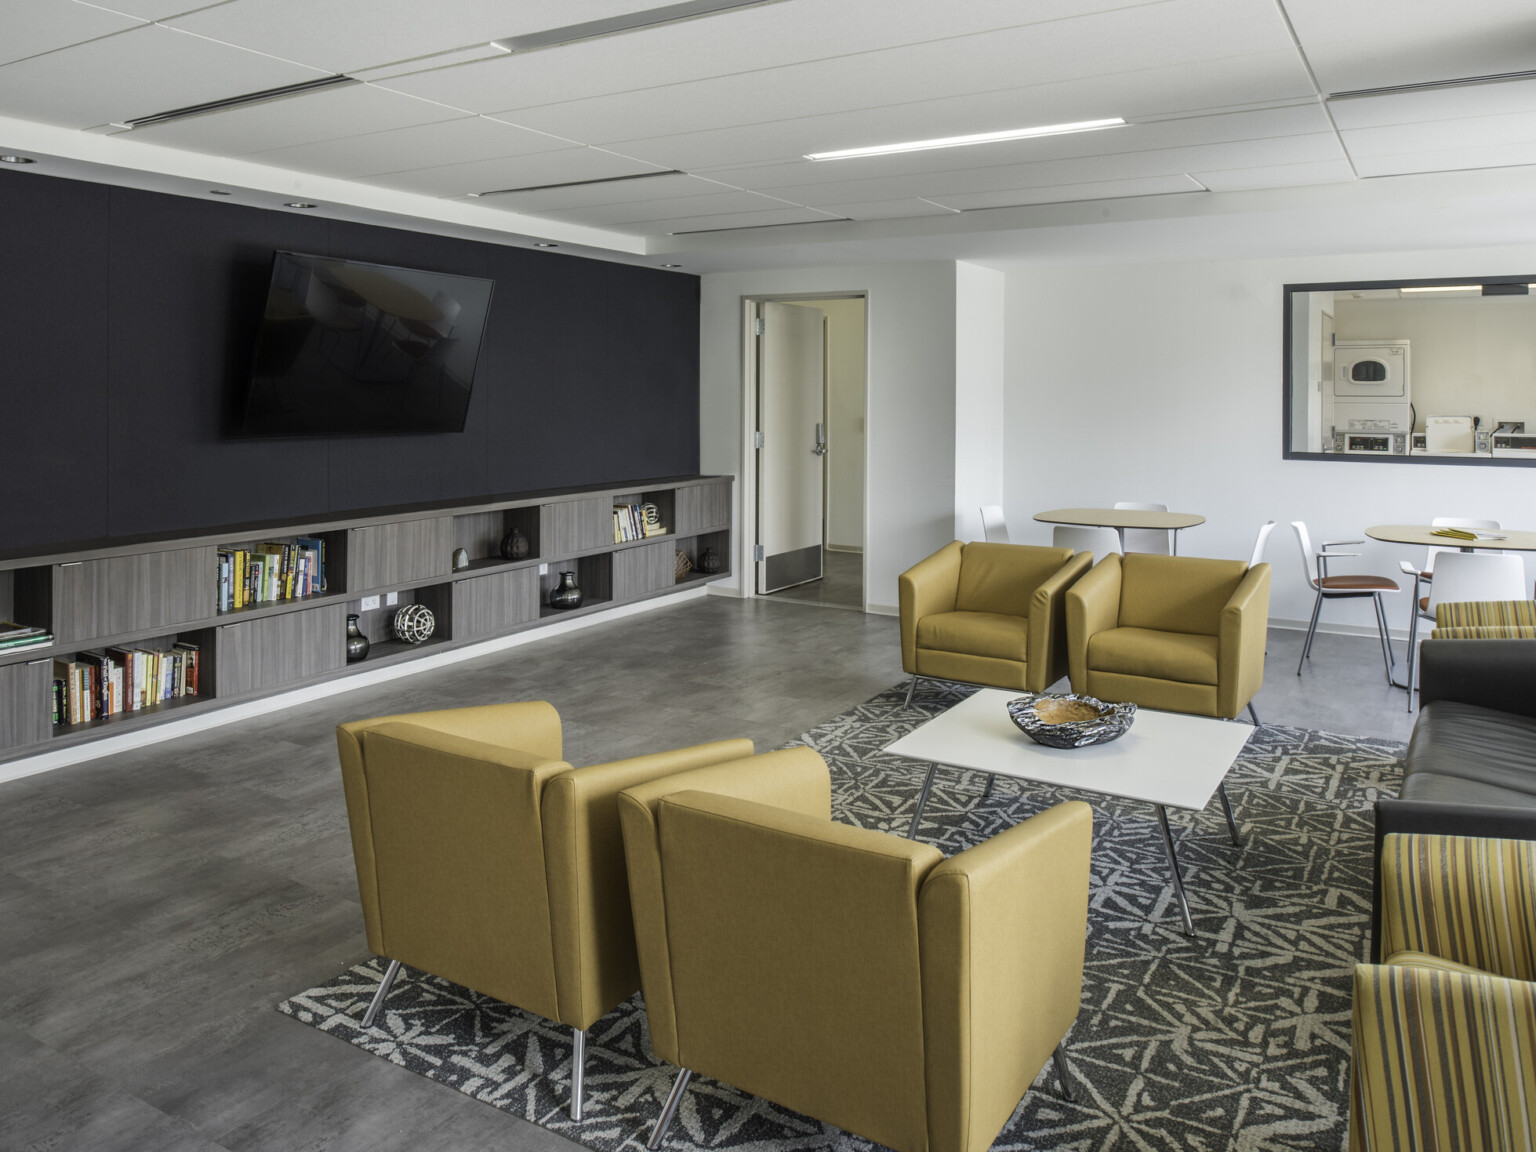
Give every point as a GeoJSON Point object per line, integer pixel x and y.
{"type": "Point", "coordinates": [270, 572]}
{"type": "Point", "coordinates": [14, 636]}
{"type": "Point", "coordinates": [114, 680]}
{"type": "Point", "coordinates": [636, 522]}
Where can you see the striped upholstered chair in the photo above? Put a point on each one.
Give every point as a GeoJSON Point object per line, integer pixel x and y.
{"type": "Point", "coordinates": [1445, 1030]}
{"type": "Point", "coordinates": [1485, 620]}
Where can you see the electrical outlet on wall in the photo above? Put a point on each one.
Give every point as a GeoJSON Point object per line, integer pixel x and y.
{"type": "Point", "coordinates": [543, 569]}
{"type": "Point", "coordinates": [368, 604]}
{"type": "Point", "coordinates": [391, 599]}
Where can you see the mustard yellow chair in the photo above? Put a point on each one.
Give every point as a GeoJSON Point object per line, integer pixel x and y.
{"type": "Point", "coordinates": [988, 614]}
{"type": "Point", "coordinates": [482, 857]}
{"type": "Point", "coordinates": [1175, 633]}
{"type": "Point", "coordinates": [1445, 1030]}
{"type": "Point", "coordinates": [853, 976]}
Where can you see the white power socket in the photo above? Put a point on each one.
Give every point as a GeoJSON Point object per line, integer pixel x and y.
{"type": "Point", "coordinates": [391, 599]}
{"type": "Point", "coordinates": [543, 569]}
{"type": "Point", "coordinates": [368, 604]}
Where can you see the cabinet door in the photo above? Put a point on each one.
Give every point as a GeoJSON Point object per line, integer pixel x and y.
{"type": "Point", "coordinates": [644, 569]}
{"type": "Point", "coordinates": [702, 507]}
{"type": "Point", "coordinates": [487, 605]}
{"type": "Point", "coordinates": [257, 654]}
{"type": "Point", "coordinates": [577, 525]}
{"type": "Point", "coordinates": [26, 714]}
{"type": "Point", "coordinates": [400, 552]}
{"type": "Point", "coordinates": [93, 598]}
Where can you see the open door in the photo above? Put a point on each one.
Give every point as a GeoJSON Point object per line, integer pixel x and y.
{"type": "Point", "coordinates": [791, 442]}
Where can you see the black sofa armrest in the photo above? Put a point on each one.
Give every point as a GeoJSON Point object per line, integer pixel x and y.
{"type": "Point", "coordinates": [1497, 674]}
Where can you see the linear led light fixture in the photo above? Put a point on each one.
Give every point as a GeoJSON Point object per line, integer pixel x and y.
{"type": "Point", "coordinates": [629, 22]}
{"type": "Point", "coordinates": [1445, 288]}
{"type": "Point", "coordinates": [261, 97]}
{"type": "Point", "coordinates": [576, 183]}
{"type": "Point", "coordinates": [1431, 85]}
{"type": "Point", "coordinates": [975, 138]}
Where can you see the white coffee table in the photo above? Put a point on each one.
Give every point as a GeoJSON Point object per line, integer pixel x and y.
{"type": "Point", "coordinates": [1167, 760]}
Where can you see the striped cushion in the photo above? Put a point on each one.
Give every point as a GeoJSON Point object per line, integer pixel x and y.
{"type": "Point", "coordinates": [1442, 1061]}
{"type": "Point", "coordinates": [1487, 632]}
{"type": "Point", "coordinates": [1468, 900]}
{"type": "Point", "coordinates": [1486, 614]}
{"type": "Point", "coordinates": [1438, 963]}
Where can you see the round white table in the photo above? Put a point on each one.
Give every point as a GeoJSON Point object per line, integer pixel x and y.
{"type": "Point", "coordinates": [1122, 518]}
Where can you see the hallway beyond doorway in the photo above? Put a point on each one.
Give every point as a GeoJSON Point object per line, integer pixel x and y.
{"type": "Point", "coordinates": [841, 584]}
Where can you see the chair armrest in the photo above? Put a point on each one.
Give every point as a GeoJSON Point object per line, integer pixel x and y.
{"type": "Point", "coordinates": [1241, 637]}
{"type": "Point", "coordinates": [1047, 652]}
{"type": "Point", "coordinates": [925, 589]}
{"type": "Point", "coordinates": [1093, 605]}
{"type": "Point", "coordinates": [1466, 899]}
{"type": "Point", "coordinates": [1340, 544]}
{"type": "Point", "coordinates": [1441, 1059]}
{"type": "Point", "coordinates": [1001, 928]}
{"type": "Point", "coordinates": [1497, 674]}
{"type": "Point", "coordinates": [593, 928]}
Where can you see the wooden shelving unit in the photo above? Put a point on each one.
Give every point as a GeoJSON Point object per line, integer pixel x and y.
{"type": "Point", "coordinates": [143, 591]}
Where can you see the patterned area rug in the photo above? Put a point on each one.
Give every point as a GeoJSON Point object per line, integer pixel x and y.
{"type": "Point", "coordinates": [1236, 1039]}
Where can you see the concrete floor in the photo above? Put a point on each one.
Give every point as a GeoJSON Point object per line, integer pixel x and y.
{"type": "Point", "coordinates": [156, 904]}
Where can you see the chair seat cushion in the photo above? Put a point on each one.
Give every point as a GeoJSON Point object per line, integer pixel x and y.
{"type": "Point", "coordinates": [1358, 584]}
{"type": "Point", "coordinates": [1463, 754]}
{"type": "Point", "coordinates": [1159, 655]}
{"type": "Point", "coordinates": [975, 634]}
{"type": "Point", "coordinates": [1438, 963]}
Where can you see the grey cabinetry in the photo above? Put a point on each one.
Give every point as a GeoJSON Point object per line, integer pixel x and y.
{"type": "Point", "coordinates": [274, 650]}
{"type": "Point", "coordinates": [25, 710]}
{"type": "Point", "coordinates": [399, 552]}
{"type": "Point", "coordinates": [121, 594]}
{"type": "Point", "coordinates": [702, 507]}
{"type": "Point", "coordinates": [645, 568]}
{"type": "Point", "coordinates": [577, 525]}
{"type": "Point", "coordinates": [488, 605]}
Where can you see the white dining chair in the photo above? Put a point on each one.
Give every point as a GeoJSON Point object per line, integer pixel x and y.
{"type": "Point", "coordinates": [1428, 571]}
{"type": "Point", "coordinates": [1260, 543]}
{"type": "Point", "coordinates": [1153, 540]}
{"type": "Point", "coordinates": [994, 529]}
{"type": "Point", "coordinates": [1461, 577]}
{"type": "Point", "coordinates": [1314, 564]}
{"type": "Point", "coordinates": [1098, 542]}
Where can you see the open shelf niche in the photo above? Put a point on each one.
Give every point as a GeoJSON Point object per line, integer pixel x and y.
{"type": "Point", "coordinates": [594, 576]}
{"type": "Point", "coordinates": [480, 535]}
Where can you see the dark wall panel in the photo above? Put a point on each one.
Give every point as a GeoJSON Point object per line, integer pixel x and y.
{"type": "Point", "coordinates": [131, 315]}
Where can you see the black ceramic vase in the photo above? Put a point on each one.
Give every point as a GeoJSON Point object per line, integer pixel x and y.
{"type": "Point", "coordinates": [357, 643]}
{"type": "Point", "coordinates": [709, 562]}
{"type": "Point", "coordinates": [566, 594]}
{"type": "Point", "coordinates": [514, 545]}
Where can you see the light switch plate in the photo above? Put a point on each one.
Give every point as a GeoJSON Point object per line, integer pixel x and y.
{"type": "Point", "coordinates": [391, 599]}
{"type": "Point", "coordinates": [368, 604]}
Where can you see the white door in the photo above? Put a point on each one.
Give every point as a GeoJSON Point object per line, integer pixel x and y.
{"type": "Point", "coordinates": [791, 400]}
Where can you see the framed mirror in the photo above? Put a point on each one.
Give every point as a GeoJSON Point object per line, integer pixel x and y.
{"type": "Point", "coordinates": [1412, 372]}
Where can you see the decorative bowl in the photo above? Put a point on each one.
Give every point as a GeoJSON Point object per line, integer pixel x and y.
{"type": "Point", "coordinates": [1073, 721]}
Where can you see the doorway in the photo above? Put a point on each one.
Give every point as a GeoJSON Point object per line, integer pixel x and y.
{"type": "Point", "coordinates": [808, 395]}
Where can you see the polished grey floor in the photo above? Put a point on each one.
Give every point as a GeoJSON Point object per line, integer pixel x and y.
{"type": "Point", "coordinates": [841, 584]}
{"type": "Point", "coordinates": [156, 904]}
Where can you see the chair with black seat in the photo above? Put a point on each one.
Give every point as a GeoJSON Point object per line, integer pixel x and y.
{"type": "Point", "coordinates": [1465, 578]}
{"type": "Point", "coordinates": [1314, 563]}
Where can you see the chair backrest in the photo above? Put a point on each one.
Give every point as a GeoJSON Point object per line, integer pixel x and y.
{"type": "Point", "coordinates": [1001, 578]}
{"type": "Point", "coordinates": [1457, 522]}
{"type": "Point", "coordinates": [1260, 542]}
{"type": "Point", "coordinates": [1153, 540]}
{"type": "Point", "coordinates": [994, 529]}
{"type": "Point", "coordinates": [1177, 593]}
{"type": "Point", "coordinates": [1097, 542]}
{"type": "Point", "coordinates": [1308, 557]}
{"type": "Point", "coordinates": [1461, 576]}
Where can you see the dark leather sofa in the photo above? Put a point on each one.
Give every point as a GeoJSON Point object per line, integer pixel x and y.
{"type": "Point", "coordinates": [1471, 764]}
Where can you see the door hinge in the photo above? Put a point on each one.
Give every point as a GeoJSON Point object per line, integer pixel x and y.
{"type": "Point", "coordinates": [757, 326]}
{"type": "Point", "coordinates": [757, 439]}
{"type": "Point", "coordinates": [757, 553]}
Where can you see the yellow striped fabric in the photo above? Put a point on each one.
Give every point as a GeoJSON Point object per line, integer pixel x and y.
{"type": "Point", "coordinates": [1486, 614]}
{"type": "Point", "coordinates": [1443, 1062]}
{"type": "Point", "coordinates": [1465, 899]}
{"type": "Point", "coordinates": [1487, 632]}
{"type": "Point", "coordinates": [1439, 963]}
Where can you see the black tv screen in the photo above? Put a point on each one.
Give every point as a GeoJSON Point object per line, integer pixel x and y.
{"type": "Point", "coordinates": [349, 348]}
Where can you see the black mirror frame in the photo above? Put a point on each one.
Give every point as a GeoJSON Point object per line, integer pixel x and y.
{"type": "Point", "coordinates": [1288, 453]}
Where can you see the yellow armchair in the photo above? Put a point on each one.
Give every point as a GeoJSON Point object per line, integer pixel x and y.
{"type": "Point", "coordinates": [484, 858]}
{"type": "Point", "coordinates": [854, 976]}
{"type": "Point", "coordinates": [988, 614]}
{"type": "Point", "coordinates": [1176, 633]}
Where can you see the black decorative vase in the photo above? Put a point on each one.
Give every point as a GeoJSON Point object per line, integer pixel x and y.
{"type": "Point", "coordinates": [514, 545]}
{"type": "Point", "coordinates": [566, 594]}
{"type": "Point", "coordinates": [709, 562]}
{"type": "Point", "coordinates": [357, 643]}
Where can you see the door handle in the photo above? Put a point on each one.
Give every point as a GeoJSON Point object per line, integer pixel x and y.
{"type": "Point", "coordinates": [820, 448]}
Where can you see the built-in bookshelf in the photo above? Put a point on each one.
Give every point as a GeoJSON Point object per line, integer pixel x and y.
{"type": "Point", "coordinates": [137, 632]}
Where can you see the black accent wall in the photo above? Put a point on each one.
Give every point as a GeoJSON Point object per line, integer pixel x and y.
{"type": "Point", "coordinates": [127, 321]}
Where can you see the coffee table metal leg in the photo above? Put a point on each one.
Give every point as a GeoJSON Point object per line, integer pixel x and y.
{"type": "Point", "coordinates": [1173, 865]}
{"type": "Point", "coordinates": [922, 801]}
{"type": "Point", "coordinates": [1226, 805]}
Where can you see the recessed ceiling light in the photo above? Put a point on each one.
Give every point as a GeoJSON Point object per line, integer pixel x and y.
{"type": "Point", "coordinates": [235, 101]}
{"type": "Point", "coordinates": [544, 244]}
{"type": "Point", "coordinates": [220, 192]}
{"type": "Point", "coordinates": [671, 265]}
{"type": "Point", "coordinates": [8, 159]}
{"type": "Point", "coordinates": [1445, 288]}
{"type": "Point", "coordinates": [975, 138]}
{"type": "Point", "coordinates": [298, 204]}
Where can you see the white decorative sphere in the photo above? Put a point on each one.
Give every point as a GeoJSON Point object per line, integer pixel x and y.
{"type": "Point", "coordinates": [414, 623]}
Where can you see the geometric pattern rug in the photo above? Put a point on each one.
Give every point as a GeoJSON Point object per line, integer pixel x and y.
{"type": "Point", "coordinates": [1236, 1039]}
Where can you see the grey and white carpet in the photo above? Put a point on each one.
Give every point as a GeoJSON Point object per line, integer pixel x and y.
{"type": "Point", "coordinates": [1236, 1039]}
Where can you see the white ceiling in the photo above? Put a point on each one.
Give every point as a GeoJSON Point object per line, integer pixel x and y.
{"type": "Point", "coordinates": [1221, 96]}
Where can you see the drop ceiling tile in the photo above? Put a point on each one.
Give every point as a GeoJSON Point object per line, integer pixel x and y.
{"type": "Point", "coordinates": [616, 192]}
{"type": "Point", "coordinates": [1276, 176]}
{"type": "Point", "coordinates": [729, 220]}
{"type": "Point", "coordinates": [329, 114]}
{"type": "Point", "coordinates": [670, 208]}
{"type": "Point", "coordinates": [552, 167]}
{"type": "Point", "coordinates": [32, 28]}
{"type": "Point", "coordinates": [1448, 159]}
{"type": "Point", "coordinates": [1065, 193]}
{"type": "Point", "coordinates": [151, 9]}
{"type": "Point", "coordinates": [1435, 104]}
{"type": "Point", "coordinates": [1473, 132]}
{"type": "Point", "coordinates": [136, 73]}
{"type": "Point", "coordinates": [407, 149]}
{"type": "Point", "coordinates": [888, 209]}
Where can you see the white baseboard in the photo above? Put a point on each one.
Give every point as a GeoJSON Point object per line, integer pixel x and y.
{"type": "Point", "coordinates": [858, 548]}
{"type": "Point", "coordinates": [883, 609]}
{"type": "Point", "coordinates": [1425, 627]}
{"type": "Point", "coordinates": [214, 718]}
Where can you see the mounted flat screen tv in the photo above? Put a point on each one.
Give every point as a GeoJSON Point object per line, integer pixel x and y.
{"type": "Point", "coordinates": [353, 349]}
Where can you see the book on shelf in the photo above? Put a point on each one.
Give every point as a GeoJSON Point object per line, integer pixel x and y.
{"type": "Point", "coordinates": [115, 680]}
{"type": "Point", "coordinates": [20, 636]}
{"type": "Point", "coordinates": [636, 522]}
{"type": "Point", "coordinates": [271, 572]}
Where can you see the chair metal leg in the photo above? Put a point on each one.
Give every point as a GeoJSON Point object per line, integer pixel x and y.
{"type": "Point", "coordinates": [911, 688]}
{"type": "Point", "coordinates": [669, 1109]}
{"type": "Point", "coordinates": [378, 997]}
{"type": "Point", "coordinates": [1060, 1059]}
{"type": "Point", "coordinates": [1226, 805]}
{"type": "Point", "coordinates": [1173, 864]}
{"type": "Point", "coordinates": [1254, 716]}
{"type": "Point", "coordinates": [578, 1070]}
{"type": "Point", "coordinates": [1413, 643]}
{"type": "Point", "coordinates": [1306, 647]}
{"type": "Point", "coordinates": [987, 791]}
{"type": "Point", "coordinates": [922, 801]}
{"type": "Point", "coordinates": [1387, 659]}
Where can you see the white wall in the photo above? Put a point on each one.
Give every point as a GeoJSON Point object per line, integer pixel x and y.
{"type": "Point", "coordinates": [1162, 382]}
{"type": "Point", "coordinates": [909, 498]}
{"type": "Point", "coordinates": [980, 326]}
